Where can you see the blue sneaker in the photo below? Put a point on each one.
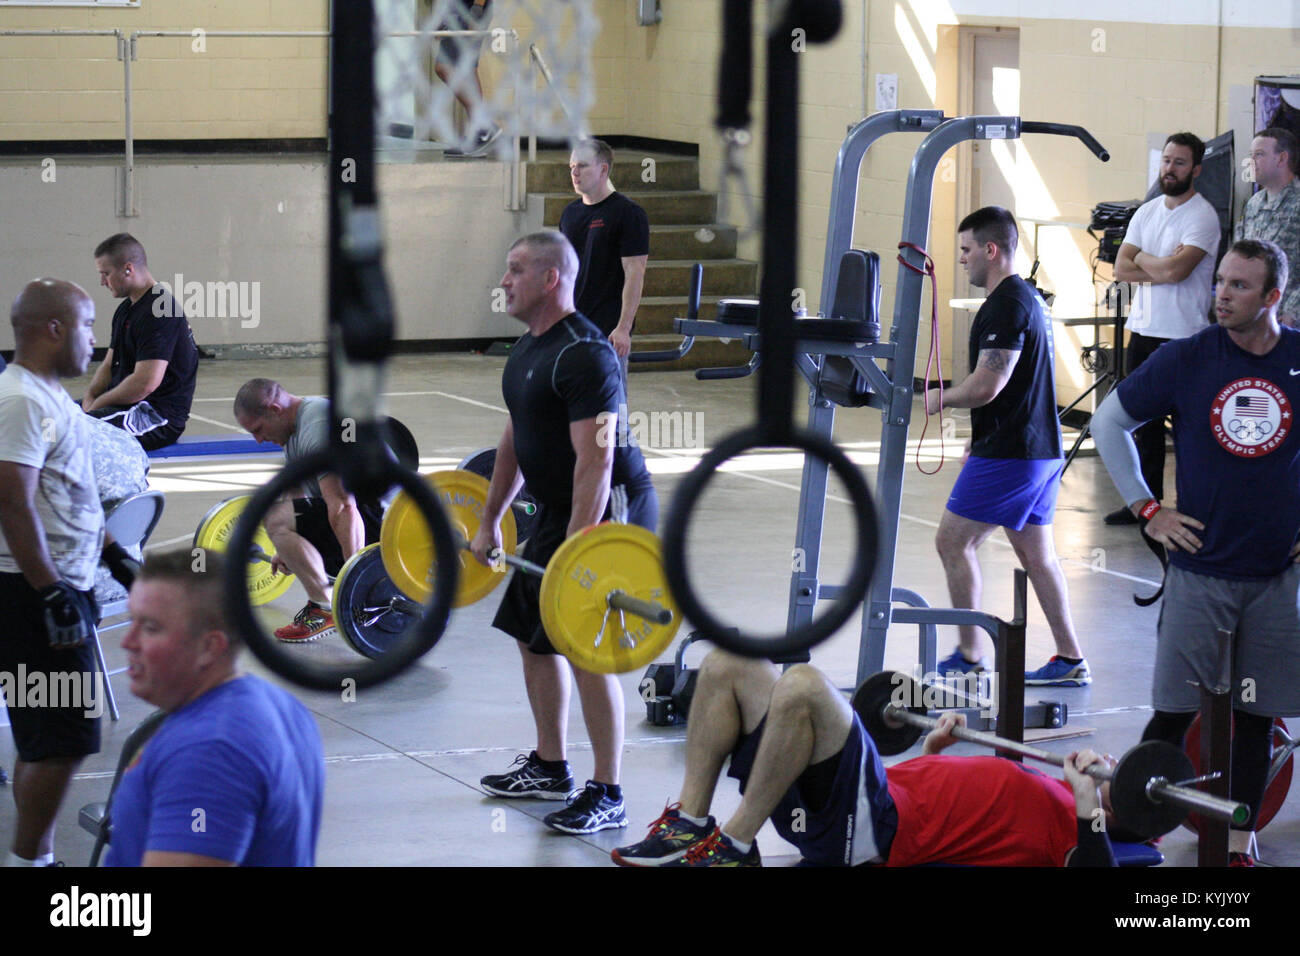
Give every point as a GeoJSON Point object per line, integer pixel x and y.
{"type": "Point", "coordinates": [716, 849]}
{"type": "Point", "coordinates": [1060, 673]}
{"type": "Point", "coordinates": [956, 663]}
{"type": "Point", "coordinates": [669, 838]}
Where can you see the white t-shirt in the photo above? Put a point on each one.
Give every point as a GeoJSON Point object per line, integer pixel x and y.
{"type": "Point", "coordinates": [42, 427]}
{"type": "Point", "coordinates": [1174, 310]}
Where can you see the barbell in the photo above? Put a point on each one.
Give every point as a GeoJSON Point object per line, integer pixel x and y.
{"type": "Point", "coordinates": [213, 534]}
{"type": "Point", "coordinates": [590, 587]}
{"type": "Point", "coordinates": [1147, 790]}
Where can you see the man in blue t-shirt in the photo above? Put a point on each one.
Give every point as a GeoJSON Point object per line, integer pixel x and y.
{"type": "Point", "coordinates": [235, 774]}
{"type": "Point", "coordinates": [1013, 469]}
{"type": "Point", "coordinates": [1232, 390]}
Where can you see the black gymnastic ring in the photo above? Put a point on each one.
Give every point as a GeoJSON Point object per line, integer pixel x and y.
{"type": "Point", "coordinates": [408, 648]}
{"type": "Point", "coordinates": [852, 594]}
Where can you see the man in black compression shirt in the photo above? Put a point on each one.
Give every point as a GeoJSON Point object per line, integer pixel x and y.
{"type": "Point", "coordinates": [563, 389]}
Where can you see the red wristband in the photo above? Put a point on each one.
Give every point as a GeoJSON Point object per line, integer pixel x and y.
{"type": "Point", "coordinates": [1149, 510]}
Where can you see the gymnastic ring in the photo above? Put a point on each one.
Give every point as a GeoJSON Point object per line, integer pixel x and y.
{"type": "Point", "coordinates": [850, 598]}
{"type": "Point", "coordinates": [408, 648]}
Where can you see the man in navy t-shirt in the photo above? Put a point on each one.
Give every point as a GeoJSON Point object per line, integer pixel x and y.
{"type": "Point", "coordinates": [235, 774]}
{"type": "Point", "coordinates": [1013, 471]}
{"type": "Point", "coordinates": [1233, 390]}
{"type": "Point", "coordinates": [567, 438]}
{"type": "Point", "coordinates": [611, 235]}
{"type": "Point", "coordinates": [146, 382]}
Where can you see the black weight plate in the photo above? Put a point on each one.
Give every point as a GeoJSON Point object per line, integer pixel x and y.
{"type": "Point", "coordinates": [481, 463]}
{"type": "Point", "coordinates": [1135, 811]}
{"type": "Point", "coordinates": [889, 687]}
{"type": "Point", "coordinates": [363, 583]}
{"type": "Point", "coordinates": [402, 444]}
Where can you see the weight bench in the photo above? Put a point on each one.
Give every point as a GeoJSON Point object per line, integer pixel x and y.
{"type": "Point", "coordinates": [211, 446]}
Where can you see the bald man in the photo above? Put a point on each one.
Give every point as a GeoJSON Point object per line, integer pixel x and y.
{"type": "Point", "coordinates": [51, 538]}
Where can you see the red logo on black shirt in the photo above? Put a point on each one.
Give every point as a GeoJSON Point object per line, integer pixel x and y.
{"type": "Point", "coordinates": [1251, 417]}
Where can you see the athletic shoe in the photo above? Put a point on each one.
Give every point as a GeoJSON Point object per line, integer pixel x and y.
{"type": "Point", "coordinates": [481, 144]}
{"type": "Point", "coordinates": [956, 663]}
{"type": "Point", "coordinates": [529, 778]}
{"type": "Point", "coordinates": [1060, 673]}
{"type": "Point", "coordinates": [1241, 859]}
{"type": "Point", "coordinates": [309, 624]}
{"type": "Point", "coordinates": [716, 849]}
{"type": "Point", "coordinates": [589, 810]}
{"type": "Point", "coordinates": [669, 838]}
{"type": "Point", "coordinates": [1120, 517]}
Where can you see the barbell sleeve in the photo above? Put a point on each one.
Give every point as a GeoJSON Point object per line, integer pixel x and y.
{"type": "Point", "coordinates": [1157, 788]}
{"type": "Point", "coordinates": [650, 610]}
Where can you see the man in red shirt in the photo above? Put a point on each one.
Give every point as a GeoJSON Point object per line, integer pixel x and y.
{"type": "Point", "coordinates": [805, 761]}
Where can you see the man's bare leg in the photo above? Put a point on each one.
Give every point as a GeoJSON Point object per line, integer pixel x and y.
{"type": "Point", "coordinates": [731, 697]}
{"type": "Point", "coordinates": [808, 721]}
{"type": "Point", "coordinates": [603, 711]}
{"type": "Point", "coordinates": [546, 678]}
{"type": "Point", "coordinates": [958, 541]}
{"type": "Point", "coordinates": [1036, 549]}
{"type": "Point", "coordinates": [39, 789]}
{"type": "Point", "coordinates": [297, 552]}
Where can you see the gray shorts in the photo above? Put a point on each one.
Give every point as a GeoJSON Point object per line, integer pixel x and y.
{"type": "Point", "coordinates": [1264, 672]}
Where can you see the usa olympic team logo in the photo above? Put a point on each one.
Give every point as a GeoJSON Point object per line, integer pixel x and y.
{"type": "Point", "coordinates": [1251, 417]}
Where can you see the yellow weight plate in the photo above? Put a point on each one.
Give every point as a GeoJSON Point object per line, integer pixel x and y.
{"type": "Point", "coordinates": [406, 544]}
{"type": "Point", "coordinates": [579, 577]}
{"type": "Point", "coordinates": [215, 530]}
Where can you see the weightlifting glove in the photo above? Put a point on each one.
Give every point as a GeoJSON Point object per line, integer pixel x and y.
{"type": "Point", "coordinates": [69, 617]}
{"type": "Point", "coordinates": [121, 565]}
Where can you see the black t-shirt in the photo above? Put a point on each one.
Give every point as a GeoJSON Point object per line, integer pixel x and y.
{"type": "Point", "coordinates": [156, 328]}
{"type": "Point", "coordinates": [604, 233]}
{"type": "Point", "coordinates": [1021, 421]}
{"type": "Point", "coordinates": [567, 374]}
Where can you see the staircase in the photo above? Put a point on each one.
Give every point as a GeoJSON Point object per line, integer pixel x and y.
{"type": "Point", "coordinates": [677, 209]}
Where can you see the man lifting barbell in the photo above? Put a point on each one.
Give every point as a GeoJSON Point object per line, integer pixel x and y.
{"type": "Point", "coordinates": [804, 760]}
{"type": "Point", "coordinates": [563, 387]}
{"type": "Point", "coordinates": [318, 529]}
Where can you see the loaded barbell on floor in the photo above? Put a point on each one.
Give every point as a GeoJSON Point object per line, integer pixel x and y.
{"type": "Point", "coordinates": [1147, 788]}
{"type": "Point", "coordinates": [213, 533]}
{"type": "Point", "coordinates": [590, 586]}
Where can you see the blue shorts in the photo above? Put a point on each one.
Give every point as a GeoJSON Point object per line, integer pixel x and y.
{"type": "Point", "coordinates": [839, 811]}
{"type": "Point", "coordinates": [1010, 492]}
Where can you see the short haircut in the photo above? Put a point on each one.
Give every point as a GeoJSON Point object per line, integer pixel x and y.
{"type": "Point", "coordinates": [1192, 142]}
{"type": "Point", "coordinates": [1276, 269]}
{"type": "Point", "coordinates": [201, 573]}
{"type": "Point", "coordinates": [993, 224]}
{"type": "Point", "coordinates": [603, 152]}
{"type": "Point", "coordinates": [255, 394]}
{"type": "Point", "coordinates": [121, 249]}
{"type": "Point", "coordinates": [553, 250]}
{"type": "Point", "coordinates": [1286, 143]}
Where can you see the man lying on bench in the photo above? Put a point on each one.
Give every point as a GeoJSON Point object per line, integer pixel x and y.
{"type": "Point", "coordinates": [804, 759]}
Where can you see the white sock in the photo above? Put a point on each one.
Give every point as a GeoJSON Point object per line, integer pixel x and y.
{"type": "Point", "coordinates": [742, 847]}
{"type": "Point", "coordinates": [698, 821]}
{"type": "Point", "coordinates": [16, 860]}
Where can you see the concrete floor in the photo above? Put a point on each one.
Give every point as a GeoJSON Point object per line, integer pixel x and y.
{"type": "Point", "coordinates": [404, 759]}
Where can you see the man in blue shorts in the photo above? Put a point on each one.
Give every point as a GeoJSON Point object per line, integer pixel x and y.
{"type": "Point", "coordinates": [805, 761]}
{"type": "Point", "coordinates": [235, 774]}
{"type": "Point", "coordinates": [1232, 390]}
{"type": "Point", "coordinates": [1013, 469]}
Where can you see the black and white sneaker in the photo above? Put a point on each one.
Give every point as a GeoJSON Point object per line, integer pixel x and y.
{"type": "Point", "coordinates": [478, 146]}
{"type": "Point", "coordinates": [528, 778]}
{"type": "Point", "coordinates": [588, 811]}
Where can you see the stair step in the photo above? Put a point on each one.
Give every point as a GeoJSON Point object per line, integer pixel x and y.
{"type": "Point", "coordinates": [631, 172]}
{"type": "Point", "coordinates": [705, 353]}
{"type": "Point", "coordinates": [668, 207]}
{"type": "Point", "coordinates": [728, 277]}
{"type": "Point", "coordinates": [685, 242]}
{"type": "Point", "coordinates": [655, 314]}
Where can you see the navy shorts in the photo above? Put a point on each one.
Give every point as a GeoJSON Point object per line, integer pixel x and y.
{"type": "Point", "coordinates": [1009, 492]}
{"type": "Point", "coordinates": [839, 811]}
{"type": "Point", "coordinates": [311, 520]}
{"type": "Point", "coordinates": [520, 613]}
{"type": "Point", "coordinates": [62, 719]}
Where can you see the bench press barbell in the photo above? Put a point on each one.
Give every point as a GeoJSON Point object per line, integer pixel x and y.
{"type": "Point", "coordinates": [1147, 788]}
{"type": "Point", "coordinates": [589, 587]}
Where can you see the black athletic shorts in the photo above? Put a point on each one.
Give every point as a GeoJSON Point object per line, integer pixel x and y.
{"type": "Point", "coordinates": [520, 613]}
{"type": "Point", "coordinates": [54, 696]}
{"type": "Point", "coordinates": [311, 520]}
